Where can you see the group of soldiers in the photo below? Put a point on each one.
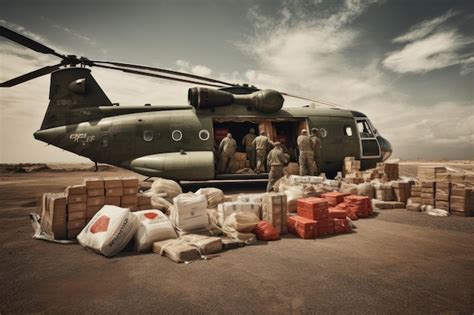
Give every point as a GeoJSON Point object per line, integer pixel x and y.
{"type": "Point", "coordinates": [256, 148]}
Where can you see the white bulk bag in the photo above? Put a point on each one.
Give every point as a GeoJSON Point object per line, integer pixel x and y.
{"type": "Point", "coordinates": [214, 196]}
{"type": "Point", "coordinates": [109, 231]}
{"type": "Point", "coordinates": [166, 186]}
{"type": "Point", "coordinates": [189, 212]}
{"type": "Point", "coordinates": [154, 226]}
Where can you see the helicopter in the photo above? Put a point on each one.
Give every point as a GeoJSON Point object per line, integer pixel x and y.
{"type": "Point", "coordinates": [178, 142]}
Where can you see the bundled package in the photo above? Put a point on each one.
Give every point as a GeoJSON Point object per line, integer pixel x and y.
{"type": "Point", "coordinates": [384, 192]}
{"type": "Point", "coordinates": [109, 231]}
{"type": "Point", "coordinates": [302, 227]}
{"type": "Point", "coordinates": [214, 196]}
{"type": "Point", "coordinates": [239, 225]}
{"type": "Point", "coordinates": [462, 201]}
{"type": "Point", "coordinates": [442, 195]}
{"type": "Point", "coordinates": [274, 211]}
{"type": "Point", "coordinates": [206, 245]}
{"type": "Point", "coordinates": [415, 193]}
{"type": "Point", "coordinates": [54, 216]}
{"type": "Point", "coordinates": [153, 226]}
{"type": "Point", "coordinates": [177, 250]}
{"type": "Point", "coordinates": [315, 209]}
{"type": "Point", "coordinates": [189, 212]}
{"type": "Point", "coordinates": [227, 208]}
{"type": "Point", "coordinates": [428, 193]}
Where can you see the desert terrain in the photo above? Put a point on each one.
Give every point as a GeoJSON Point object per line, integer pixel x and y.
{"type": "Point", "coordinates": [397, 261]}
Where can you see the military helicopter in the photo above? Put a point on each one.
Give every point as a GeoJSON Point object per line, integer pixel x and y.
{"type": "Point", "coordinates": [178, 142]}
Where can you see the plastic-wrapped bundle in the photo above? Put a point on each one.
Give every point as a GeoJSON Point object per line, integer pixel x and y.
{"type": "Point", "coordinates": [166, 186]}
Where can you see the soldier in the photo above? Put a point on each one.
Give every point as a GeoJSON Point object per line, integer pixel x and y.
{"type": "Point", "coordinates": [306, 159]}
{"type": "Point", "coordinates": [316, 149]}
{"type": "Point", "coordinates": [249, 148]}
{"type": "Point", "coordinates": [226, 151]}
{"type": "Point", "coordinates": [261, 145]}
{"type": "Point", "coordinates": [276, 160]}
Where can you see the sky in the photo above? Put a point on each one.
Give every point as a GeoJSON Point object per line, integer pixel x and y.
{"type": "Point", "coordinates": [408, 65]}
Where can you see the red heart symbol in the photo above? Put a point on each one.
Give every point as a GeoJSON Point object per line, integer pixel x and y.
{"type": "Point", "coordinates": [150, 215]}
{"type": "Point", "coordinates": [100, 225]}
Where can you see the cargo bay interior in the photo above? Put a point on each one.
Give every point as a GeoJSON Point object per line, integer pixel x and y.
{"type": "Point", "coordinates": [284, 130]}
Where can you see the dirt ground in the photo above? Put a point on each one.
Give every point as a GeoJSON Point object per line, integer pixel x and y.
{"type": "Point", "coordinates": [395, 262]}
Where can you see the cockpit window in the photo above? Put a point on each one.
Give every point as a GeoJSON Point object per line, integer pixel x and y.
{"type": "Point", "coordinates": [364, 129]}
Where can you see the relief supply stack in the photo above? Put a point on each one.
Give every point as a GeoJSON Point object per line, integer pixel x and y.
{"type": "Point", "coordinates": [428, 193]}
{"type": "Point", "coordinates": [274, 211]}
{"type": "Point", "coordinates": [76, 197]}
{"type": "Point", "coordinates": [442, 195]}
{"type": "Point", "coordinates": [95, 196]}
{"type": "Point", "coordinates": [462, 201]}
{"type": "Point", "coordinates": [129, 198]}
{"type": "Point", "coordinates": [402, 191]}
{"type": "Point", "coordinates": [54, 216]}
{"type": "Point", "coordinates": [360, 206]}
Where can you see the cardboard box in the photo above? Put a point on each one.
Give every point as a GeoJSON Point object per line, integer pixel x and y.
{"type": "Point", "coordinates": [274, 210]}
{"type": "Point", "coordinates": [95, 192]}
{"type": "Point", "coordinates": [130, 190]}
{"type": "Point", "coordinates": [76, 198]}
{"type": "Point", "coordinates": [76, 207]}
{"type": "Point", "coordinates": [144, 200]}
{"type": "Point", "coordinates": [76, 224]}
{"type": "Point", "coordinates": [54, 215]}
{"type": "Point", "coordinates": [77, 215]}
{"type": "Point", "coordinates": [129, 200]}
{"type": "Point", "coordinates": [112, 200]}
{"type": "Point", "coordinates": [76, 190]}
{"type": "Point", "coordinates": [114, 191]}
{"type": "Point", "coordinates": [443, 205]}
{"type": "Point", "coordinates": [429, 202]}
{"type": "Point", "coordinates": [94, 183]}
{"type": "Point", "coordinates": [416, 199]}
{"type": "Point", "coordinates": [428, 173]}
{"type": "Point", "coordinates": [96, 201]}
{"type": "Point", "coordinates": [92, 210]}
{"type": "Point", "coordinates": [325, 227]}
{"type": "Point", "coordinates": [302, 227]}
{"type": "Point", "coordinates": [112, 182]}
{"type": "Point", "coordinates": [313, 208]}
{"type": "Point", "coordinates": [341, 226]}
{"type": "Point", "coordinates": [130, 182]}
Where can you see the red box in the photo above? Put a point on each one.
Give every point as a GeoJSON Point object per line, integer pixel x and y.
{"type": "Point", "coordinates": [325, 227]}
{"type": "Point", "coordinates": [313, 208]}
{"type": "Point", "coordinates": [341, 226]}
{"type": "Point", "coordinates": [302, 227]}
{"type": "Point", "coordinates": [334, 198]}
{"type": "Point", "coordinates": [335, 213]}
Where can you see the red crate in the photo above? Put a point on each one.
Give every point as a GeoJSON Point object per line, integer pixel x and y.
{"type": "Point", "coordinates": [341, 226]}
{"type": "Point", "coordinates": [336, 213]}
{"type": "Point", "coordinates": [334, 198]}
{"type": "Point", "coordinates": [313, 208]}
{"type": "Point", "coordinates": [325, 227]}
{"type": "Point", "coordinates": [302, 227]}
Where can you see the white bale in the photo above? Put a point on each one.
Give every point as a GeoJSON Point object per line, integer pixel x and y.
{"type": "Point", "coordinates": [166, 186]}
{"type": "Point", "coordinates": [109, 231]}
{"type": "Point", "coordinates": [154, 226]}
{"type": "Point", "coordinates": [189, 212]}
{"type": "Point", "coordinates": [214, 196]}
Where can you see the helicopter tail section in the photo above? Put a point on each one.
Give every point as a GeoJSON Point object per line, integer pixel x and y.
{"type": "Point", "coordinates": [72, 88]}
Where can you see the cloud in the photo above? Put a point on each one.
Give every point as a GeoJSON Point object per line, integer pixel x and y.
{"type": "Point", "coordinates": [431, 45]}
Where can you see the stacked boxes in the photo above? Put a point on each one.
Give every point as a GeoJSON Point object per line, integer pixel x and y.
{"type": "Point", "coordinates": [274, 211]}
{"type": "Point", "coordinates": [334, 198]}
{"type": "Point", "coordinates": [316, 209]}
{"type": "Point", "coordinates": [76, 197]}
{"type": "Point", "coordinates": [402, 191]}
{"type": "Point", "coordinates": [129, 199]}
{"type": "Point", "coordinates": [391, 171]}
{"type": "Point", "coordinates": [359, 205]}
{"type": "Point", "coordinates": [384, 192]}
{"type": "Point", "coordinates": [54, 215]}
{"type": "Point", "coordinates": [302, 227]}
{"type": "Point", "coordinates": [429, 173]}
{"type": "Point", "coordinates": [351, 165]}
{"type": "Point", "coordinates": [462, 201]}
{"type": "Point", "coordinates": [95, 195]}
{"type": "Point", "coordinates": [428, 193]}
{"type": "Point", "coordinates": [442, 195]}
{"type": "Point", "coordinates": [416, 193]}
{"type": "Point", "coordinates": [238, 161]}
{"type": "Point", "coordinates": [144, 202]}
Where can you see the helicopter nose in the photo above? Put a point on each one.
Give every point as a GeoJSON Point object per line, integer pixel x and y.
{"type": "Point", "coordinates": [385, 147]}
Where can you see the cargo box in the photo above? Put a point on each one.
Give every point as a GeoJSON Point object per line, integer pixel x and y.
{"type": "Point", "coordinates": [274, 211]}
{"type": "Point", "coordinates": [341, 226]}
{"type": "Point", "coordinates": [313, 208]}
{"type": "Point", "coordinates": [94, 183]}
{"type": "Point", "coordinates": [77, 215]}
{"type": "Point", "coordinates": [76, 198]}
{"type": "Point", "coordinates": [53, 215]}
{"type": "Point", "coordinates": [76, 190]}
{"type": "Point", "coordinates": [96, 201]}
{"type": "Point", "coordinates": [112, 200]}
{"type": "Point", "coordinates": [130, 182]}
{"type": "Point", "coordinates": [95, 192]}
{"type": "Point", "coordinates": [113, 182]}
{"type": "Point", "coordinates": [76, 207]}
{"type": "Point", "coordinates": [325, 227]}
{"type": "Point", "coordinates": [114, 191]}
{"type": "Point", "coordinates": [302, 227]}
{"type": "Point", "coordinates": [92, 210]}
{"type": "Point", "coordinates": [130, 190]}
{"type": "Point", "coordinates": [76, 224]}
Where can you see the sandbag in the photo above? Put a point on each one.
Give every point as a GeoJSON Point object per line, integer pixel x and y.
{"type": "Point", "coordinates": [189, 212]}
{"type": "Point", "coordinates": [214, 196]}
{"type": "Point", "coordinates": [167, 186]}
{"type": "Point", "coordinates": [154, 226]}
{"type": "Point", "coordinates": [109, 231]}
{"type": "Point", "coordinates": [264, 231]}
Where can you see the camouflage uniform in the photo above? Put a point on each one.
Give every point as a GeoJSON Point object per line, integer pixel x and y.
{"type": "Point", "coordinates": [276, 160]}
{"type": "Point", "coordinates": [317, 151]}
{"type": "Point", "coordinates": [306, 159]}
{"type": "Point", "coordinates": [261, 144]}
{"type": "Point", "coordinates": [227, 148]}
{"type": "Point", "coordinates": [250, 149]}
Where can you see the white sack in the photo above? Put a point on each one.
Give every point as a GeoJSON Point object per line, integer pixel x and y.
{"type": "Point", "coordinates": [189, 212]}
{"type": "Point", "coordinates": [154, 226]}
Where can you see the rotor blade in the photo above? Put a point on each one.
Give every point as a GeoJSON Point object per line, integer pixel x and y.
{"type": "Point", "coordinates": [155, 75]}
{"type": "Point", "coordinates": [30, 75]}
{"type": "Point", "coordinates": [183, 74]}
{"type": "Point", "coordinates": [311, 100]}
{"type": "Point", "coordinates": [27, 42]}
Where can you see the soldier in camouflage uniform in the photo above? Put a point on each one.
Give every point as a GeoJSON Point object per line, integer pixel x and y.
{"type": "Point", "coordinates": [249, 147]}
{"type": "Point", "coordinates": [261, 144]}
{"type": "Point", "coordinates": [276, 160]}
{"type": "Point", "coordinates": [316, 149]}
{"type": "Point", "coordinates": [306, 159]}
{"type": "Point", "coordinates": [227, 148]}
